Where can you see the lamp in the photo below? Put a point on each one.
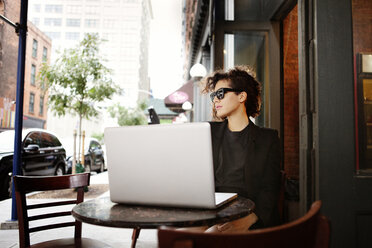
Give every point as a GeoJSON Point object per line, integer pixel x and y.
{"type": "Point", "coordinates": [198, 71]}
{"type": "Point", "coordinates": [187, 106]}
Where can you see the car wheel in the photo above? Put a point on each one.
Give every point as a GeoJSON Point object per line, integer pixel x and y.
{"type": "Point", "coordinates": [102, 169]}
{"type": "Point", "coordinates": [59, 171]}
{"type": "Point", "coordinates": [10, 186]}
{"type": "Point", "coordinates": [6, 191]}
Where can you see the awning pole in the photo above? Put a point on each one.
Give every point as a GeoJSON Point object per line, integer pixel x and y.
{"type": "Point", "coordinates": [19, 99]}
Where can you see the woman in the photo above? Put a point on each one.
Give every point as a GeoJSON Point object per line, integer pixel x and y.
{"type": "Point", "coordinates": [246, 157]}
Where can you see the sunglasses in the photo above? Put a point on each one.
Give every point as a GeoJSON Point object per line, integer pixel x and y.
{"type": "Point", "coordinates": [220, 93]}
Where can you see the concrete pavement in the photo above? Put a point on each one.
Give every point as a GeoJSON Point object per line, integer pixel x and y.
{"type": "Point", "coordinates": [115, 237]}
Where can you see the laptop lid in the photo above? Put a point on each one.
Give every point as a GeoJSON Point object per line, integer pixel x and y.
{"type": "Point", "coordinates": [166, 165]}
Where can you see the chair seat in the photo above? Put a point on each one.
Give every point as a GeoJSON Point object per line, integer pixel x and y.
{"type": "Point", "coordinates": [71, 242]}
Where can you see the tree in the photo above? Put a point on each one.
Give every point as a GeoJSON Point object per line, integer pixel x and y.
{"type": "Point", "coordinates": [129, 116]}
{"type": "Point", "coordinates": [78, 80]}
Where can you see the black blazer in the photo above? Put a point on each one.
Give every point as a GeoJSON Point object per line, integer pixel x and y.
{"type": "Point", "coordinates": [262, 170]}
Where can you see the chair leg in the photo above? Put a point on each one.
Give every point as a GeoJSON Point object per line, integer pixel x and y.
{"type": "Point", "coordinates": [135, 234]}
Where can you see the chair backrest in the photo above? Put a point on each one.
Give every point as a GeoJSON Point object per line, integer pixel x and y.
{"type": "Point", "coordinates": [311, 230]}
{"type": "Point", "coordinates": [283, 177]}
{"type": "Point", "coordinates": [26, 184]}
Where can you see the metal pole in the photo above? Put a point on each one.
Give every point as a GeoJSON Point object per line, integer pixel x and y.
{"type": "Point", "coordinates": [19, 100]}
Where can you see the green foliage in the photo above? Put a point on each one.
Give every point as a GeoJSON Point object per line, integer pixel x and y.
{"type": "Point", "coordinates": [78, 80]}
{"type": "Point", "coordinates": [129, 116]}
{"type": "Point", "coordinates": [99, 137]}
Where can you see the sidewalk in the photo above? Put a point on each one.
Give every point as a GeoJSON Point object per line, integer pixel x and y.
{"type": "Point", "coordinates": [115, 237]}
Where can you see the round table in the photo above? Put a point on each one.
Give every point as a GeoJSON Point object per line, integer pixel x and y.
{"type": "Point", "coordinates": [103, 212]}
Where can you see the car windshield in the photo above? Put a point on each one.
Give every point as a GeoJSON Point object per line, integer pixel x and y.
{"type": "Point", "coordinates": [7, 140]}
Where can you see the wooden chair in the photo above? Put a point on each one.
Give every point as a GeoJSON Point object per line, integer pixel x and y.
{"type": "Point", "coordinates": [26, 184]}
{"type": "Point", "coordinates": [311, 230]}
{"type": "Point", "coordinates": [283, 177]}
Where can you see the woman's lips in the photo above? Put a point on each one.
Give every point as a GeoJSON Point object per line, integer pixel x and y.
{"type": "Point", "coordinates": [218, 107]}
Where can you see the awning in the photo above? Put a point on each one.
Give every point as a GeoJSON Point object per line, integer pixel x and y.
{"type": "Point", "coordinates": [175, 100]}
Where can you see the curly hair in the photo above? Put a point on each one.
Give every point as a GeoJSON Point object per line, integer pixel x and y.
{"type": "Point", "coordinates": [240, 77]}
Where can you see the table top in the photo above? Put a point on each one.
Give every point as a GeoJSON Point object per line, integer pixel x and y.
{"type": "Point", "coordinates": [103, 212]}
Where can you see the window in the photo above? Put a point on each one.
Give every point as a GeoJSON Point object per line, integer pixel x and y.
{"type": "Point", "coordinates": [32, 139]}
{"type": "Point", "coordinates": [72, 22]}
{"type": "Point", "coordinates": [36, 21]}
{"type": "Point", "coordinates": [41, 107]}
{"type": "Point", "coordinates": [31, 103]}
{"type": "Point", "coordinates": [46, 140]}
{"type": "Point", "coordinates": [34, 48]}
{"type": "Point", "coordinates": [53, 35]}
{"type": "Point", "coordinates": [72, 35]}
{"type": "Point", "coordinates": [45, 54]}
{"type": "Point", "coordinates": [109, 23]}
{"type": "Point", "coordinates": [73, 9]}
{"type": "Point", "coordinates": [51, 8]}
{"type": "Point", "coordinates": [92, 10]}
{"type": "Point", "coordinates": [91, 23]}
{"type": "Point", "coordinates": [33, 75]}
{"type": "Point", "coordinates": [37, 8]}
{"type": "Point", "coordinates": [55, 22]}
{"type": "Point", "coordinates": [248, 48]}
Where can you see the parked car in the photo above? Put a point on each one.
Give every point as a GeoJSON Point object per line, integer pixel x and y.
{"type": "Point", "coordinates": [42, 155]}
{"type": "Point", "coordinates": [93, 155]}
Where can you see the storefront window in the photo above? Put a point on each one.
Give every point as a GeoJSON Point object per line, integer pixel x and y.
{"type": "Point", "coordinates": [248, 48]}
{"type": "Point", "coordinates": [364, 83]}
{"type": "Point", "coordinates": [362, 24]}
{"type": "Point", "coordinates": [245, 10]}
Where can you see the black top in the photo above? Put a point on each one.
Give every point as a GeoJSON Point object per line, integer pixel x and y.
{"type": "Point", "coordinates": [261, 168]}
{"type": "Point", "coordinates": [229, 174]}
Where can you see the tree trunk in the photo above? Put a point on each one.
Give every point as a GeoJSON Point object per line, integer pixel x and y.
{"type": "Point", "coordinates": [80, 120]}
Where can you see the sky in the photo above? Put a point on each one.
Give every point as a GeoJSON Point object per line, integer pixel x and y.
{"type": "Point", "coordinates": [165, 48]}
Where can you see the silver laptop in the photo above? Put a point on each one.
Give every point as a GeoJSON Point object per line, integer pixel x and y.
{"type": "Point", "coordinates": [162, 165]}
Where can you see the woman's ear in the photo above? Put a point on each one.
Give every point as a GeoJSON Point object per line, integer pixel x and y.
{"type": "Point", "coordinates": [242, 96]}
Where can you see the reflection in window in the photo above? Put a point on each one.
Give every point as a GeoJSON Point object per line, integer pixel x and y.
{"type": "Point", "coordinates": [229, 10]}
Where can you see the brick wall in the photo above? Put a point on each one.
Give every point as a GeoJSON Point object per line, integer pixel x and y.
{"type": "Point", "coordinates": [291, 118]}
{"type": "Point", "coordinates": [8, 50]}
{"type": "Point", "coordinates": [43, 41]}
{"type": "Point", "coordinates": [9, 63]}
{"type": "Point", "coordinates": [191, 7]}
{"type": "Point", "coordinates": [362, 26]}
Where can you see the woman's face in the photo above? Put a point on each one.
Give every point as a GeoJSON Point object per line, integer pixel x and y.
{"type": "Point", "coordinates": [229, 104]}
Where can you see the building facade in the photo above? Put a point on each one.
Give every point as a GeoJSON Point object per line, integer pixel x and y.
{"type": "Point", "coordinates": [38, 47]}
{"type": "Point", "coordinates": [124, 24]}
{"type": "Point", "coordinates": [38, 50]}
{"type": "Point", "coordinates": [8, 64]}
{"type": "Point", "coordinates": [313, 59]}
